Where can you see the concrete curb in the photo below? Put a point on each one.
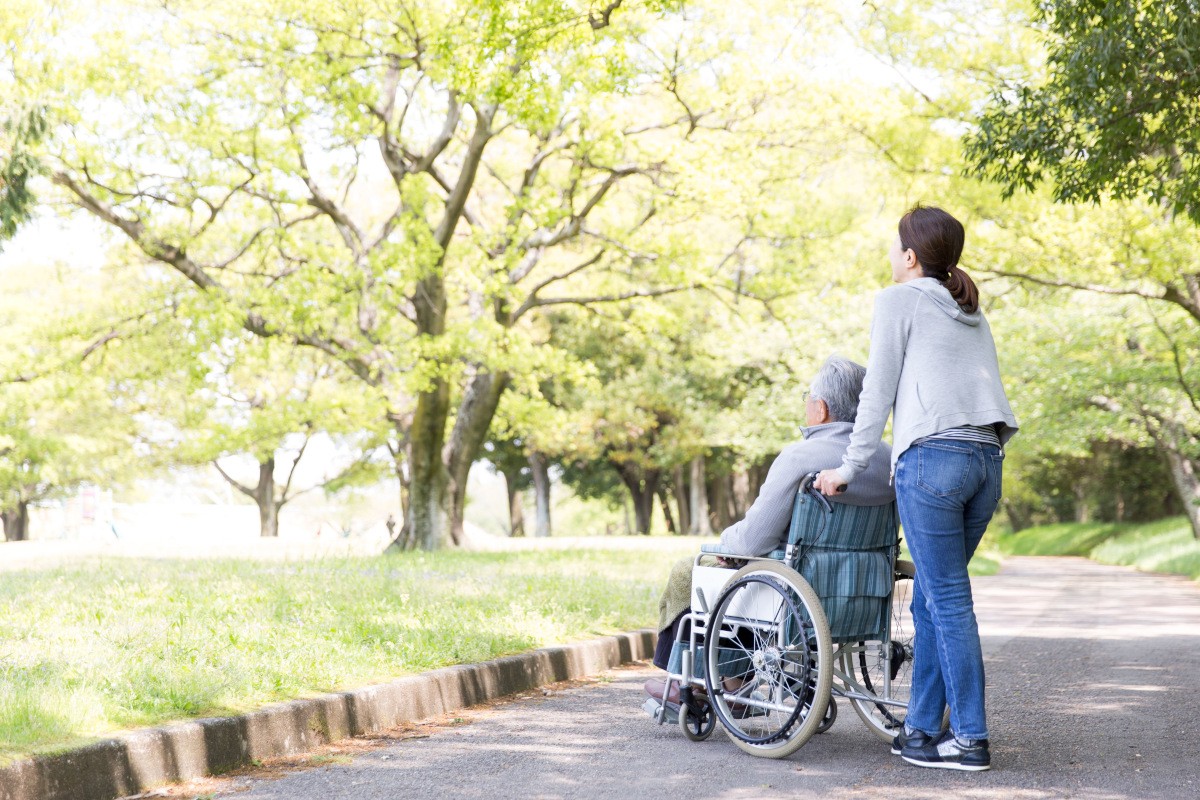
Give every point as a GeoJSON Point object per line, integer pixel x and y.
{"type": "Point", "coordinates": [141, 760]}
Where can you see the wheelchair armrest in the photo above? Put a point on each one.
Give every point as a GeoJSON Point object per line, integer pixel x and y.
{"type": "Point", "coordinates": [718, 549]}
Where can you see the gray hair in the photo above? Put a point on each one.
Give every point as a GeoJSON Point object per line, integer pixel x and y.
{"type": "Point", "coordinates": [839, 382]}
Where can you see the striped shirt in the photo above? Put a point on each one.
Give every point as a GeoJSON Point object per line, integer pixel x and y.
{"type": "Point", "coordinates": [982, 434]}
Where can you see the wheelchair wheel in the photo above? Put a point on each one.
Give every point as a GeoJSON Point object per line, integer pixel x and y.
{"type": "Point", "coordinates": [697, 719]}
{"type": "Point", "coordinates": [769, 660]}
{"type": "Point", "coordinates": [873, 664]}
{"type": "Point", "coordinates": [830, 716]}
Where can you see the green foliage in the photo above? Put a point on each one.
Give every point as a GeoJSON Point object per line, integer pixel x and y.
{"type": "Point", "coordinates": [672, 213]}
{"type": "Point", "coordinates": [60, 425]}
{"type": "Point", "coordinates": [18, 135]}
{"type": "Point", "coordinates": [1113, 115]}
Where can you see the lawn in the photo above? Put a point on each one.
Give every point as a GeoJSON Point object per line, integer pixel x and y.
{"type": "Point", "coordinates": [1166, 545]}
{"type": "Point", "coordinates": [108, 644]}
{"type": "Point", "coordinates": [102, 645]}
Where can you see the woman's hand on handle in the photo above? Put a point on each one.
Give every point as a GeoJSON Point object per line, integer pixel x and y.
{"type": "Point", "coordinates": [830, 482]}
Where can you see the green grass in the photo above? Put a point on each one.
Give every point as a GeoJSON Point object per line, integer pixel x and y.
{"type": "Point", "coordinates": [109, 644]}
{"type": "Point", "coordinates": [1165, 546]}
{"type": "Point", "coordinates": [986, 561]}
{"type": "Point", "coordinates": [1064, 539]}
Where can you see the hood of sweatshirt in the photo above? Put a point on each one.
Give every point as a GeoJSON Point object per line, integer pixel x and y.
{"type": "Point", "coordinates": [933, 289]}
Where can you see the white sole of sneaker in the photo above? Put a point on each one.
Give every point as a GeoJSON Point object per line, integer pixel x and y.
{"type": "Point", "coordinates": [947, 765]}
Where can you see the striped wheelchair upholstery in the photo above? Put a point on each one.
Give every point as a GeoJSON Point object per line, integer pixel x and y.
{"type": "Point", "coordinates": [845, 555]}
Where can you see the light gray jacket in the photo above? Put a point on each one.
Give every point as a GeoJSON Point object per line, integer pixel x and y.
{"type": "Point", "coordinates": [933, 366]}
{"type": "Point", "coordinates": [767, 520]}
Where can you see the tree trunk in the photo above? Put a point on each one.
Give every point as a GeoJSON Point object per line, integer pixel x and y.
{"type": "Point", "coordinates": [1018, 517]}
{"type": "Point", "coordinates": [720, 502]}
{"type": "Point", "coordinates": [264, 496]}
{"type": "Point", "coordinates": [643, 511]}
{"type": "Point", "coordinates": [404, 538]}
{"type": "Point", "coordinates": [1083, 509]}
{"type": "Point", "coordinates": [643, 488]}
{"type": "Point", "coordinates": [1186, 475]}
{"type": "Point", "coordinates": [740, 494]}
{"type": "Point", "coordinates": [471, 424]}
{"type": "Point", "coordinates": [16, 522]}
{"type": "Point", "coordinates": [758, 475]}
{"type": "Point", "coordinates": [665, 502]}
{"type": "Point", "coordinates": [428, 497]}
{"type": "Point", "coordinates": [698, 513]}
{"type": "Point", "coordinates": [682, 500]}
{"type": "Point", "coordinates": [540, 467]}
{"type": "Point", "coordinates": [516, 515]}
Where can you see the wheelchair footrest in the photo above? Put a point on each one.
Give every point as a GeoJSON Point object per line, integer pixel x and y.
{"type": "Point", "coordinates": [652, 706]}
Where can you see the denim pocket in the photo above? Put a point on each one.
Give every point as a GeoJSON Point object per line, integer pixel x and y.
{"type": "Point", "coordinates": [942, 469]}
{"type": "Point", "coordinates": [996, 474]}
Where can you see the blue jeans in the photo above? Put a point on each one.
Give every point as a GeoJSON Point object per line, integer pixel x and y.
{"type": "Point", "coordinates": [947, 492]}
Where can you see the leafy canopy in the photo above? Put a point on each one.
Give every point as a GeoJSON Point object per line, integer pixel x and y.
{"type": "Point", "coordinates": [1115, 114]}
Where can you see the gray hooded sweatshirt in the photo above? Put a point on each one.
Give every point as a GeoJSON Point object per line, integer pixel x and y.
{"type": "Point", "coordinates": [933, 365]}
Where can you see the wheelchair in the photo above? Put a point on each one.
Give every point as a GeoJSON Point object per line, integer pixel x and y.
{"type": "Point", "coordinates": [767, 649]}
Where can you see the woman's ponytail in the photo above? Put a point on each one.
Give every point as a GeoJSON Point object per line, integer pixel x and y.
{"type": "Point", "coordinates": [963, 289]}
{"type": "Point", "coordinates": [937, 240]}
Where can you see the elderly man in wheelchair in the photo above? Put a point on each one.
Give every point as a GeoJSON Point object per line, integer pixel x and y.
{"type": "Point", "coordinates": [802, 601]}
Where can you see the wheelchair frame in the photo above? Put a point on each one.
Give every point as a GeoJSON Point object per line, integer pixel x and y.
{"type": "Point", "coordinates": [798, 669]}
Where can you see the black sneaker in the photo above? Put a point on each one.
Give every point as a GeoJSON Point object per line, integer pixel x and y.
{"type": "Point", "coordinates": [909, 738]}
{"type": "Point", "coordinates": [950, 752]}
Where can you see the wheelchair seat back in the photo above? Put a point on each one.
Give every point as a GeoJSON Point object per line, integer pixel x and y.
{"type": "Point", "coordinates": [846, 554]}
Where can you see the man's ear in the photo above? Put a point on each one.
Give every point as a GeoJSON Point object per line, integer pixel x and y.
{"type": "Point", "coordinates": [824, 412]}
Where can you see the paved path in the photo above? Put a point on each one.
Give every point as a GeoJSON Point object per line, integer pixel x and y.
{"type": "Point", "coordinates": [1094, 691]}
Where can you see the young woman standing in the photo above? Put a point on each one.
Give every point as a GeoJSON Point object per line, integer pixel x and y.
{"type": "Point", "coordinates": [933, 366]}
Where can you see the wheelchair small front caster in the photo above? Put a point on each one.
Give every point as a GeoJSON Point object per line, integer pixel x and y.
{"type": "Point", "coordinates": [830, 716]}
{"type": "Point", "coordinates": [697, 719]}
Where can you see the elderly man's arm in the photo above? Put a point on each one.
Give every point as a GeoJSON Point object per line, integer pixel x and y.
{"type": "Point", "coordinates": [766, 522]}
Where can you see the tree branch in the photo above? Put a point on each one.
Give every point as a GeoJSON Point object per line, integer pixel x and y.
{"type": "Point", "coordinates": [449, 126]}
{"type": "Point", "coordinates": [601, 20]}
{"type": "Point", "coordinates": [531, 300]}
{"type": "Point", "coordinates": [544, 237]}
{"type": "Point", "coordinates": [174, 256]}
{"type": "Point", "coordinates": [243, 489]}
{"type": "Point", "coordinates": [1169, 293]}
{"type": "Point", "coordinates": [136, 231]}
{"type": "Point", "coordinates": [283, 496]}
{"type": "Point", "coordinates": [611, 298]}
{"type": "Point", "coordinates": [346, 228]}
{"type": "Point", "coordinates": [457, 200]}
{"type": "Point", "coordinates": [1178, 359]}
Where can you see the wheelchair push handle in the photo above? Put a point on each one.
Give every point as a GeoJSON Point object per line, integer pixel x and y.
{"type": "Point", "coordinates": [806, 487]}
{"type": "Point", "coordinates": [806, 484]}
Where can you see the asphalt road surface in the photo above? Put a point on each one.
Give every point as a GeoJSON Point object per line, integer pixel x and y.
{"type": "Point", "coordinates": [1093, 691]}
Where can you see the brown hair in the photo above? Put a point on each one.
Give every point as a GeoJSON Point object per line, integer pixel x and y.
{"type": "Point", "coordinates": [937, 239]}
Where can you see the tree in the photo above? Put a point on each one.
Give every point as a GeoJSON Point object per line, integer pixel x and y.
{"type": "Point", "coordinates": [61, 424]}
{"type": "Point", "coordinates": [333, 185]}
{"type": "Point", "coordinates": [1109, 120]}
{"type": "Point", "coordinates": [269, 402]}
{"type": "Point", "coordinates": [508, 458]}
{"type": "Point", "coordinates": [1133, 245]}
{"type": "Point", "coordinates": [1111, 114]}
